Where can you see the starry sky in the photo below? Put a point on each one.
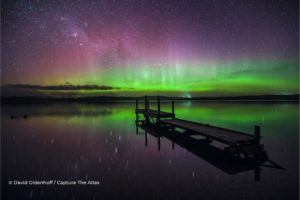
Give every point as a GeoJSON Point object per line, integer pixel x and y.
{"type": "Point", "coordinates": [137, 47]}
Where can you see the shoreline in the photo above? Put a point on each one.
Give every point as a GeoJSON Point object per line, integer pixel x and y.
{"type": "Point", "coordinates": [112, 99]}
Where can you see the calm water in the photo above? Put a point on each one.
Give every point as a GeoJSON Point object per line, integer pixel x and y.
{"type": "Point", "coordinates": [99, 142]}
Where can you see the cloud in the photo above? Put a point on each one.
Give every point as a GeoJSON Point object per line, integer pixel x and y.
{"type": "Point", "coordinates": [61, 87]}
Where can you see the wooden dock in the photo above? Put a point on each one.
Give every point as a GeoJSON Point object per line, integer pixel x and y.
{"type": "Point", "coordinates": [237, 142]}
{"type": "Point", "coordinates": [154, 113]}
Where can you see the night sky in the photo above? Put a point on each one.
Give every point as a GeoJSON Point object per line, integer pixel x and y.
{"type": "Point", "coordinates": [133, 47]}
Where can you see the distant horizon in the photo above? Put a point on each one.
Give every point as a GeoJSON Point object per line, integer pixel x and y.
{"type": "Point", "coordinates": [76, 91]}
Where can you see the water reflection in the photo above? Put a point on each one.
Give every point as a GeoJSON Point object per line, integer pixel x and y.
{"type": "Point", "coordinates": [98, 141]}
{"type": "Point", "coordinates": [215, 156]}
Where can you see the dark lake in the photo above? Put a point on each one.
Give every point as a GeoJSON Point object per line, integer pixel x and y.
{"type": "Point", "coordinates": [99, 142]}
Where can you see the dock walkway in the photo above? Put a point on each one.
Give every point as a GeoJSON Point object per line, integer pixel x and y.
{"type": "Point", "coordinates": [219, 134]}
{"type": "Point", "coordinates": [155, 113]}
{"type": "Point", "coordinates": [238, 142]}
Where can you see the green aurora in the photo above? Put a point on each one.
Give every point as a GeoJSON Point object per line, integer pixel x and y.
{"type": "Point", "coordinates": [228, 79]}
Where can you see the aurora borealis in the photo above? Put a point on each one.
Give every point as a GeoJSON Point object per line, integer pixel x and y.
{"type": "Point", "coordinates": [173, 47]}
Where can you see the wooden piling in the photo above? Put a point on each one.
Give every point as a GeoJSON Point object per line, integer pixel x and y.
{"type": "Point", "coordinates": [158, 108]}
{"type": "Point", "coordinates": [257, 134]}
{"type": "Point", "coordinates": [146, 103]}
{"type": "Point", "coordinates": [147, 108]}
{"type": "Point", "coordinates": [173, 111]}
{"type": "Point", "coordinates": [136, 110]}
{"type": "Point", "coordinates": [146, 138]}
{"type": "Point", "coordinates": [257, 174]}
{"type": "Point", "coordinates": [158, 140]}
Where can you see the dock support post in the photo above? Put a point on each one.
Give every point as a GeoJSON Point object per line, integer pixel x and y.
{"type": "Point", "coordinates": [136, 111]}
{"type": "Point", "coordinates": [173, 146]}
{"type": "Point", "coordinates": [158, 108]}
{"type": "Point", "coordinates": [146, 109]}
{"type": "Point", "coordinates": [146, 138]}
{"type": "Point", "coordinates": [257, 134]}
{"type": "Point", "coordinates": [173, 111]}
{"type": "Point", "coordinates": [257, 174]}
{"type": "Point", "coordinates": [146, 103]}
{"type": "Point", "coordinates": [158, 140]}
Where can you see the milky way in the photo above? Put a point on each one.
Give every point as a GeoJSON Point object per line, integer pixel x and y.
{"type": "Point", "coordinates": [186, 47]}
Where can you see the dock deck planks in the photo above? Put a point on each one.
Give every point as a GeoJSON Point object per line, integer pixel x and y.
{"type": "Point", "coordinates": [219, 134]}
{"type": "Point", "coordinates": [238, 142]}
{"type": "Point", "coordinates": [154, 113]}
